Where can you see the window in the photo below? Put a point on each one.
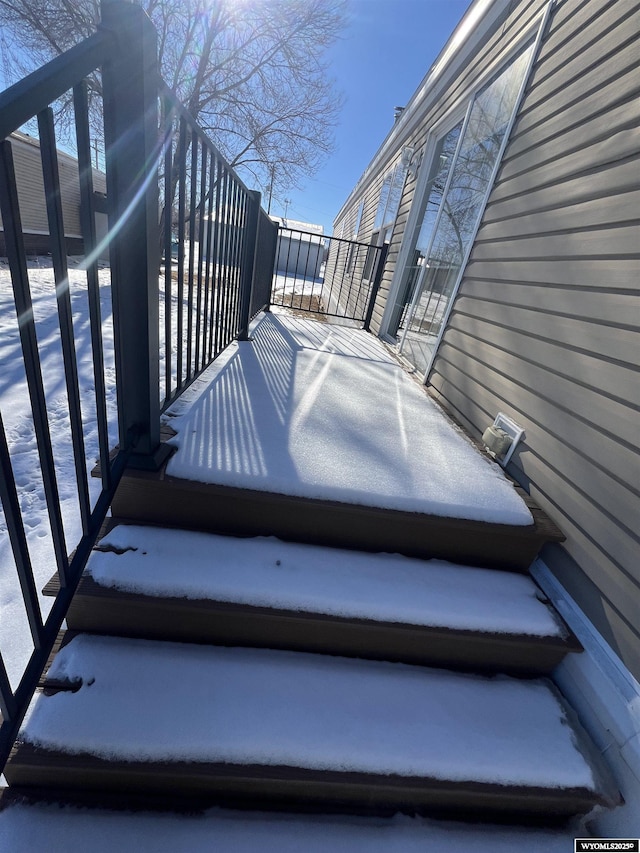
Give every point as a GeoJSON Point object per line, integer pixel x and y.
{"type": "Point", "coordinates": [389, 201]}
{"type": "Point", "coordinates": [358, 222]}
{"type": "Point", "coordinates": [460, 177]}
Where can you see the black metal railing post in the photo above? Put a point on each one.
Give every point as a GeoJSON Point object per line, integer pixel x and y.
{"type": "Point", "coordinates": [248, 261]}
{"type": "Point", "coordinates": [264, 273]}
{"type": "Point", "coordinates": [130, 92]}
{"type": "Point", "coordinates": [375, 287]}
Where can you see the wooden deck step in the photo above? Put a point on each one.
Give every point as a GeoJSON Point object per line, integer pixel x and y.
{"type": "Point", "coordinates": [240, 726]}
{"type": "Point", "coordinates": [25, 828]}
{"type": "Point", "coordinates": [100, 610]}
{"type": "Point", "coordinates": [193, 587]}
{"type": "Point", "coordinates": [156, 498]}
{"type": "Point", "coordinates": [206, 785]}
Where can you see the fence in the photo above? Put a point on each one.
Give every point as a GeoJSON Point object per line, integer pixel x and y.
{"type": "Point", "coordinates": [185, 237]}
{"type": "Point", "coordinates": [328, 276]}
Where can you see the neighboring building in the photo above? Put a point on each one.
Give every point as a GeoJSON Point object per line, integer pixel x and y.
{"type": "Point", "coordinates": [298, 253]}
{"type": "Point", "coordinates": [508, 192]}
{"type": "Point", "coordinates": [33, 211]}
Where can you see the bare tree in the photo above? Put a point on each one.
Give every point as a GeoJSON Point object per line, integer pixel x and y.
{"type": "Point", "coordinates": [250, 71]}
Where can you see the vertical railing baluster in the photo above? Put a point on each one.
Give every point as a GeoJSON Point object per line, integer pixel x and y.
{"type": "Point", "coordinates": [306, 267]}
{"type": "Point", "coordinates": [208, 290]}
{"type": "Point", "coordinates": [220, 269]}
{"type": "Point", "coordinates": [231, 219]}
{"type": "Point", "coordinates": [217, 290]}
{"type": "Point", "coordinates": [182, 180]}
{"type": "Point", "coordinates": [288, 301]}
{"type": "Point", "coordinates": [53, 202]}
{"type": "Point", "coordinates": [201, 258]}
{"type": "Point", "coordinates": [167, 224]}
{"type": "Point", "coordinates": [14, 247]}
{"type": "Point", "coordinates": [192, 249]}
{"type": "Point", "coordinates": [343, 276]}
{"type": "Point", "coordinates": [224, 259]}
{"type": "Point", "coordinates": [7, 701]}
{"type": "Point", "coordinates": [15, 528]}
{"type": "Point", "coordinates": [88, 228]}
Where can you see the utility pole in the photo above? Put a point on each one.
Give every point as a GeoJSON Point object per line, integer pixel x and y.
{"type": "Point", "coordinates": [272, 170]}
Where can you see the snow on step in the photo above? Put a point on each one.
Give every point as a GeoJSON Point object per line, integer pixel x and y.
{"type": "Point", "coordinates": [320, 411]}
{"type": "Point", "coordinates": [266, 572]}
{"type": "Point", "coordinates": [24, 829]}
{"type": "Point", "coordinates": [247, 706]}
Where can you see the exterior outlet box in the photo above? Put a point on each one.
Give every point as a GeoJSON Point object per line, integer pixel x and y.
{"type": "Point", "coordinates": [496, 440]}
{"type": "Point", "coordinates": [501, 438]}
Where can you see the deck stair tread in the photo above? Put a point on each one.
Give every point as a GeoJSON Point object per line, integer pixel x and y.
{"type": "Point", "coordinates": [289, 726]}
{"type": "Point", "coordinates": [158, 498]}
{"type": "Point", "coordinates": [27, 827]}
{"type": "Point", "coordinates": [264, 592]}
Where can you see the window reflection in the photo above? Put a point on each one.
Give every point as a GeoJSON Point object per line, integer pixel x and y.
{"type": "Point", "coordinates": [461, 171]}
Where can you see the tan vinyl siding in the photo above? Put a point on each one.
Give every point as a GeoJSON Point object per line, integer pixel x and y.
{"type": "Point", "coordinates": [547, 320]}
{"type": "Point", "coordinates": [31, 197]}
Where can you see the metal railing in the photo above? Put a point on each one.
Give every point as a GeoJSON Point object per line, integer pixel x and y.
{"type": "Point", "coordinates": [185, 237]}
{"type": "Point", "coordinates": [326, 276]}
{"type": "Point", "coordinates": [216, 241]}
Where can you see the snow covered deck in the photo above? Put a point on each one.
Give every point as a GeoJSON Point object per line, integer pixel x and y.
{"type": "Point", "coordinates": [323, 411]}
{"type": "Point", "coordinates": [314, 432]}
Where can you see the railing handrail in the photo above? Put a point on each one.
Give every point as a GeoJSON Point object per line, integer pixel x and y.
{"type": "Point", "coordinates": [29, 96]}
{"type": "Point", "coordinates": [330, 237]}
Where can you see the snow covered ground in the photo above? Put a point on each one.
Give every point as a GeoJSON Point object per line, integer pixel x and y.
{"type": "Point", "coordinates": [15, 408]}
{"type": "Point", "coordinates": [15, 639]}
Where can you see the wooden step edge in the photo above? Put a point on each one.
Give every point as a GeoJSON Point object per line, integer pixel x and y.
{"type": "Point", "coordinates": [155, 498]}
{"type": "Point", "coordinates": [37, 769]}
{"type": "Point", "coordinates": [102, 610]}
{"type": "Point", "coordinates": [52, 586]}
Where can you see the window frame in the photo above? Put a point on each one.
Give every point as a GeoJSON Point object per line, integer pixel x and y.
{"type": "Point", "coordinates": [462, 109]}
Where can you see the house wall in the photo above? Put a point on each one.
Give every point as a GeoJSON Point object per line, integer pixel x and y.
{"type": "Point", "coordinates": [545, 324]}
{"type": "Point", "coordinates": [33, 212]}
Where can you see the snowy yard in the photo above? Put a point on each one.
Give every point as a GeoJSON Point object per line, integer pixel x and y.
{"type": "Point", "coordinates": [15, 639]}
{"type": "Point", "coordinates": [15, 408]}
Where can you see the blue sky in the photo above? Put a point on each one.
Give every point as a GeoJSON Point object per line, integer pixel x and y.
{"type": "Point", "coordinates": [383, 55]}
